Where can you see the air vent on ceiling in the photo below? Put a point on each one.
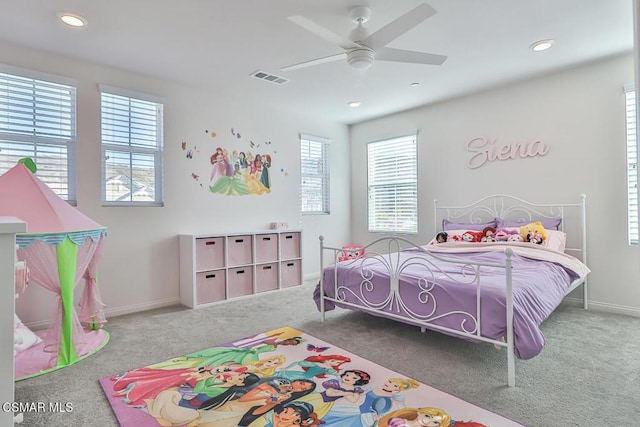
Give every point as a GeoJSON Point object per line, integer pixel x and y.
{"type": "Point", "coordinates": [269, 77]}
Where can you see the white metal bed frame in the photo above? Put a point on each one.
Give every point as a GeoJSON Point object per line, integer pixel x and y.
{"type": "Point", "coordinates": [386, 250]}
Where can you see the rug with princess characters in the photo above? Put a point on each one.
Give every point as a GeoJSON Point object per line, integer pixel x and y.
{"type": "Point", "coordinates": [282, 378]}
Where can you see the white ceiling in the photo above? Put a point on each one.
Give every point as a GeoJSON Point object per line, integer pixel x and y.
{"type": "Point", "coordinates": [216, 45]}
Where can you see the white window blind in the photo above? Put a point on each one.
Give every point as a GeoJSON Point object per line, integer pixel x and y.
{"type": "Point", "coordinates": [632, 164]}
{"type": "Point", "coordinates": [132, 141]}
{"type": "Point", "coordinates": [38, 120]}
{"type": "Point", "coordinates": [393, 185]}
{"type": "Point", "coordinates": [314, 171]}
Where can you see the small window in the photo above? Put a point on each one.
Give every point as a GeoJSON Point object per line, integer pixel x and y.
{"type": "Point", "coordinates": [314, 171]}
{"type": "Point", "coordinates": [632, 164]}
{"type": "Point", "coordinates": [132, 141]}
{"type": "Point", "coordinates": [393, 185]}
{"type": "Point", "coordinates": [38, 120]}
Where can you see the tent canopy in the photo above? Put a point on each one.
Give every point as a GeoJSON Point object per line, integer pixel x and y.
{"type": "Point", "coordinates": [48, 216]}
{"type": "Point", "coordinates": [25, 196]}
{"type": "Point", "coordinates": [62, 246]}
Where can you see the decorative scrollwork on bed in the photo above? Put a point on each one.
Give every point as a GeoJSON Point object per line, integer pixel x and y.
{"type": "Point", "coordinates": [395, 265]}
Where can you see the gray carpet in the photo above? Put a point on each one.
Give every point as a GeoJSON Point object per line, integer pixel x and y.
{"type": "Point", "coordinates": [588, 374]}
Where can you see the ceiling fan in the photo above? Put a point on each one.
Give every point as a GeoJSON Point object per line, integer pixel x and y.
{"type": "Point", "coordinates": [361, 49]}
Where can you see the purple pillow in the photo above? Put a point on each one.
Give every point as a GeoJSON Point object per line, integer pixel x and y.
{"type": "Point", "coordinates": [547, 223]}
{"type": "Point", "coordinates": [470, 226]}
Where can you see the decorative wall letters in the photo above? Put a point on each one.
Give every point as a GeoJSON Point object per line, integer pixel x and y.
{"type": "Point", "coordinates": [486, 150]}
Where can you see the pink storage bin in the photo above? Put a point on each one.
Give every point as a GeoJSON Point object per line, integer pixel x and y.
{"type": "Point", "coordinates": [210, 286]}
{"type": "Point", "coordinates": [291, 273]}
{"type": "Point", "coordinates": [209, 253]}
{"type": "Point", "coordinates": [266, 277]}
{"type": "Point", "coordinates": [239, 250]}
{"type": "Point", "coordinates": [266, 247]}
{"type": "Point", "coordinates": [351, 252]}
{"type": "Point", "coordinates": [240, 281]}
{"type": "Point", "coordinates": [290, 245]}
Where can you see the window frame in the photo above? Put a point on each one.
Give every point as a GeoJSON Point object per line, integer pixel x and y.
{"type": "Point", "coordinates": [157, 151]}
{"type": "Point", "coordinates": [69, 142]}
{"type": "Point", "coordinates": [409, 138]}
{"type": "Point", "coordinates": [323, 176]}
{"type": "Point", "coordinates": [631, 136]}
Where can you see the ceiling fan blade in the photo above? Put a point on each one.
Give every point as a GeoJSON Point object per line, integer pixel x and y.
{"type": "Point", "coordinates": [322, 32]}
{"type": "Point", "coordinates": [411, 56]}
{"type": "Point", "coordinates": [398, 27]}
{"type": "Point", "coordinates": [318, 61]}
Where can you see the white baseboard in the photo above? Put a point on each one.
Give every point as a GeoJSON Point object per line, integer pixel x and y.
{"type": "Point", "coordinates": [311, 278]}
{"type": "Point", "coordinates": [135, 308]}
{"type": "Point", "coordinates": [605, 307]}
{"type": "Point", "coordinates": [118, 311]}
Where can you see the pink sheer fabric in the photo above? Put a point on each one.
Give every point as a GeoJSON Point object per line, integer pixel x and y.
{"type": "Point", "coordinates": [43, 266]}
{"type": "Point", "coordinates": [91, 305]}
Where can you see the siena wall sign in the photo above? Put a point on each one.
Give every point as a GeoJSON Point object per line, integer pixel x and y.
{"type": "Point", "coordinates": [485, 150]}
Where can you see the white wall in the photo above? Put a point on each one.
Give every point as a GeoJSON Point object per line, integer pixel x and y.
{"type": "Point", "coordinates": [140, 264]}
{"type": "Point", "coordinates": [578, 112]}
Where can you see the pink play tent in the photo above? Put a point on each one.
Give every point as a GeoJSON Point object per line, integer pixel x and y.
{"type": "Point", "coordinates": [62, 248]}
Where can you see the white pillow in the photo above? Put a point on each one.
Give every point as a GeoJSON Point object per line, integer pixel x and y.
{"type": "Point", "coordinates": [23, 336]}
{"type": "Point", "coordinates": [556, 240]}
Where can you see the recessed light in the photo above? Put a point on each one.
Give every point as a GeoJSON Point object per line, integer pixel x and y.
{"type": "Point", "coordinates": [354, 104]}
{"type": "Point", "coordinates": [72, 19]}
{"type": "Point", "coordinates": [414, 84]}
{"type": "Point", "coordinates": [541, 45]}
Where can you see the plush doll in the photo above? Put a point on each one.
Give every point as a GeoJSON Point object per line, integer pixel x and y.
{"type": "Point", "coordinates": [472, 236]}
{"type": "Point", "coordinates": [488, 234]}
{"type": "Point", "coordinates": [502, 234]}
{"type": "Point", "coordinates": [534, 238]}
{"type": "Point", "coordinates": [515, 238]}
{"type": "Point", "coordinates": [533, 232]}
{"type": "Point", "coordinates": [441, 237]}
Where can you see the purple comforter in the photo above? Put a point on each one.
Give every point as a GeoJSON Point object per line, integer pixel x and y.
{"type": "Point", "coordinates": [538, 288]}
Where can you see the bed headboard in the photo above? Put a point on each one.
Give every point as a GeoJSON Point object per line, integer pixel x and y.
{"type": "Point", "coordinates": [511, 208]}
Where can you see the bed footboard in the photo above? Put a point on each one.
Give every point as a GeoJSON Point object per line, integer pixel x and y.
{"type": "Point", "coordinates": [398, 279]}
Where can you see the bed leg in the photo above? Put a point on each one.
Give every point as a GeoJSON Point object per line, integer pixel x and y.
{"type": "Point", "coordinates": [423, 329]}
{"type": "Point", "coordinates": [321, 238]}
{"type": "Point", "coordinates": [585, 301]}
{"type": "Point", "coordinates": [511, 369]}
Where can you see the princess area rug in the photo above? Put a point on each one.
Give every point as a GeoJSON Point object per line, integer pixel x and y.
{"type": "Point", "coordinates": [282, 378]}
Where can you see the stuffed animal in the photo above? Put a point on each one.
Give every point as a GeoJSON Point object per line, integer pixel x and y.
{"type": "Point", "coordinates": [533, 232]}
{"type": "Point", "coordinates": [441, 237]}
{"type": "Point", "coordinates": [534, 238]}
{"type": "Point", "coordinates": [515, 238]}
{"type": "Point", "coordinates": [472, 236]}
{"type": "Point", "coordinates": [488, 234]}
{"type": "Point", "coordinates": [502, 234]}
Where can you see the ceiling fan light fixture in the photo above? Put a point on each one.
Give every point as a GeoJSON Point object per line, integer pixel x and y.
{"type": "Point", "coordinates": [361, 58]}
{"type": "Point", "coordinates": [542, 45]}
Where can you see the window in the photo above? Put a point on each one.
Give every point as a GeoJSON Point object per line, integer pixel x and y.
{"type": "Point", "coordinates": [132, 140]}
{"type": "Point", "coordinates": [38, 120]}
{"type": "Point", "coordinates": [314, 171]}
{"type": "Point", "coordinates": [632, 164]}
{"type": "Point", "coordinates": [392, 185]}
